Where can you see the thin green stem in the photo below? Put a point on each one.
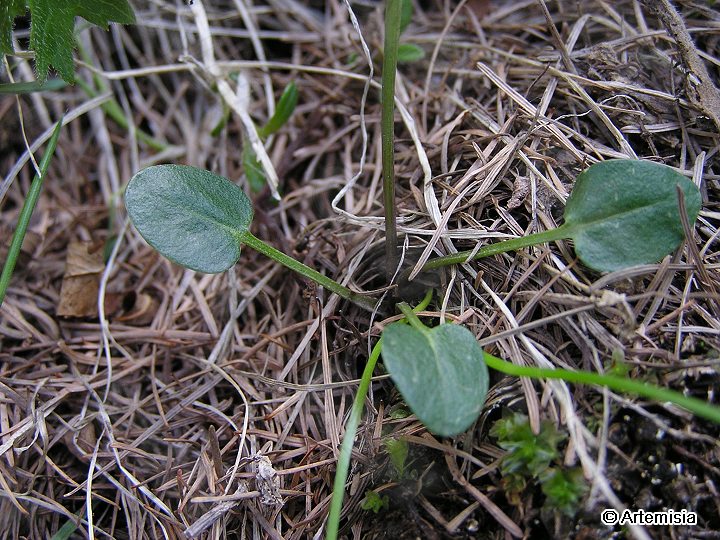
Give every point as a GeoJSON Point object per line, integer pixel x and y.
{"type": "Point", "coordinates": [343, 465]}
{"type": "Point", "coordinates": [620, 384]}
{"type": "Point", "coordinates": [413, 319]}
{"type": "Point", "coordinates": [330, 284]}
{"type": "Point", "coordinates": [393, 12]}
{"type": "Point", "coordinates": [26, 212]}
{"type": "Point", "coordinates": [513, 244]}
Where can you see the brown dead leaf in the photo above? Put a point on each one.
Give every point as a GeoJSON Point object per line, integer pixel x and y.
{"type": "Point", "coordinates": [81, 281]}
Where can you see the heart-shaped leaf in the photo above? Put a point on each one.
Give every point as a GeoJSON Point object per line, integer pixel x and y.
{"type": "Point", "coordinates": [191, 216]}
{"type": "Point", "coordinates": [440, 372]}
{"type": "Point", "coordinates": [625, 212]}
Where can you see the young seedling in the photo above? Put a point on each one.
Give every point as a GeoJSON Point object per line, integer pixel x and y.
{"type": "Point", "coordinates": [536, 457]}
{"type": "Point", "coordinates": [621, 213]}
{"type": "Point", "coordinates": [200, 220]}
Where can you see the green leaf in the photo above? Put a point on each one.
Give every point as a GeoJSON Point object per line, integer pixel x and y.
{"type": "Point", "coordinates": [564, 489]}
{"type": "Point", "coordinates": [253, 170]}
{"type": "Point", "coordinates": [406, 13]}
{"type": "Point", "coordinates": [53, 23]}
{"type": "Point", "coordinates": [32, 86]}
{"type": "Point", "coordinates": [621, 213]}
{"type": "Point", "coordinates": [9, 9]}
{"type": "Point", "coordinates": [398, 450]}
{"type": "Point", "coordinates": [191, 216]}
{"type": "Point", "coordinates": [283, 111]}
{"type": "Point", "coordinates": [528, 453]}
{"type": "Point", "coordinates": [66, 531]}
{"type": "Point", "coordinates": [625, 212]}
{"type": "Point", "coordinates": [374, 501]}
{"type": "Point", "coordinates": [440, 372]}
{"type": "Point", "coordinates": [408, 52]}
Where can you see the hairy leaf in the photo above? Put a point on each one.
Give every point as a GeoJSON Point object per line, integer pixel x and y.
{"type": "Point", "coordinates": [51, 28]}
{"type": "Point", "coordinates": [191, 216]}
{"type": "Point", "coordinates": [440, 372]}
{"type": "Point", "coordinates": [9, 9]}
{"type": "Point", "coordinates": [625, 212]}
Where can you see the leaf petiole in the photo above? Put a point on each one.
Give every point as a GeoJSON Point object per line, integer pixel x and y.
{"type": "Point", "coordinates": [551, 235]}
{"type": "Point", "coordinates": [411, 318]}
{"type": "Point", "coordinates": [620, 384]}
{"type": "Point", "coordinates": [330, 284]}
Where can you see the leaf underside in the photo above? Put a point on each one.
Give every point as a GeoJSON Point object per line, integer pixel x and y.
{"type": "Point", "coordinates": [440, 373]}
{"type": "Point", "coordinates": [625, 212]}
{"type": "Point", "coordinates": [191, 216]}
{"type": "Point", "coordinates": [51, 28]}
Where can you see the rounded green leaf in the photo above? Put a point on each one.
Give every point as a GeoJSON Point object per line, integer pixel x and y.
{"type": "Point", "coordinates": [440, 372]}
{"type": "Point", "coordinates": [626, 212]}
{"type": "Point", "coordinates": [191, 216]}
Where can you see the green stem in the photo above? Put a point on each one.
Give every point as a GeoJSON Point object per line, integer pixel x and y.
{"type": "Point", "coordinates": [364, 302]}
{"type": "Point", "coordinates": [343, 465]}
{"type": "Point", "coordinates": [26, 212]}
{"type": "Point", "coordinates": [513, 244]}
{"type": "Point", "coordinates": [620, 384]}
{"type": "Point", "coordinates": [413, 319]}
{"type": "Point", "coordinates": [387, 125]}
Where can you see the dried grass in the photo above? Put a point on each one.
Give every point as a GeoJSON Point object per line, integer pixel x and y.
{"type": "Point", "coordinates": [213, 406]}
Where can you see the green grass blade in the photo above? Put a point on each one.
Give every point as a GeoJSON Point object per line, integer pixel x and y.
{"type": "Point", "coordinates": [26, 212]}
{"type": "Point", "coordinates": [32, 86]}
{"type": "Point", "coordinates": [285, 108]}
{"type": "Point", "coordinates": [66, 531]}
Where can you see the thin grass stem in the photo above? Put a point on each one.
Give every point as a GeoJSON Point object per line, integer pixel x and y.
{"type": "Point", "coordinates": [26, 212]}
{"type": "Point", "coordinates": [392, 37]}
